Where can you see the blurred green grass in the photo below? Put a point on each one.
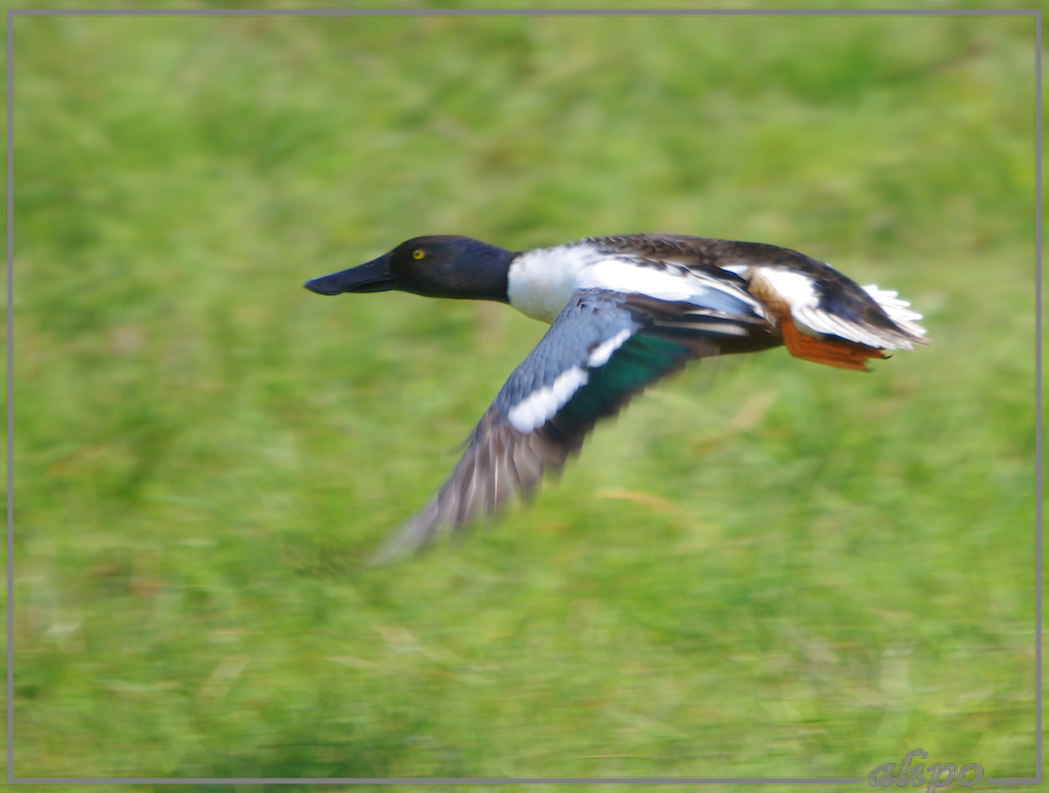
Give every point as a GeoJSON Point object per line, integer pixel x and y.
{"type": "Point", "coordinates": [764, 568]}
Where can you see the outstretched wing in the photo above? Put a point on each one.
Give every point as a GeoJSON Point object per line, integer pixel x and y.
{"type": "Point", "coordinates": [602, 349]}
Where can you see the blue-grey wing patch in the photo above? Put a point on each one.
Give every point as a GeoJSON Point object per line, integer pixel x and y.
{"type": "Point", "coordinates": [602, 349]}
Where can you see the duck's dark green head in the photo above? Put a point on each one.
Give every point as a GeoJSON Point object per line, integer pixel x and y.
{"type": "Point", "coordinates": [438, 266]}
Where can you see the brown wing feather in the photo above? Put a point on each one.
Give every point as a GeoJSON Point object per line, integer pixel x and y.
{"type": "Point", "coordinates": [500, 463]}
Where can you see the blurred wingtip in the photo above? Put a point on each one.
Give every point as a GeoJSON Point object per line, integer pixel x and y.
{"type": "Point", "coordinates": [409, 538]}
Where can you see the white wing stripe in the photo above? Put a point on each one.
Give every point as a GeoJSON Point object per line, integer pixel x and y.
{"type": "Point", "coordinates": [601, 353]}
{"type": "Point", "coordinates": [534, 410]}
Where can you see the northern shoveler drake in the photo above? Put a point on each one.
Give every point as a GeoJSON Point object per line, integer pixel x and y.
{"type": "Point", "coordinates": [624, 311]}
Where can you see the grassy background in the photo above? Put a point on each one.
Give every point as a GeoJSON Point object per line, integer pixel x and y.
{"type": "Point", "coordinates": [766, 568]}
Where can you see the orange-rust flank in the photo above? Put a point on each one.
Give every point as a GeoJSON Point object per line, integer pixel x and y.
{"type": "Point", "coordinates": [840, 353]}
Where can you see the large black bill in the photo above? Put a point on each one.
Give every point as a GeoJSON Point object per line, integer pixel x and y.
{"type": "Point", "coordinates": [371, 277]}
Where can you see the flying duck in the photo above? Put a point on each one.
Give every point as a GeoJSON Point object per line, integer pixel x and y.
{"type": "Point", "coordinates": [623, 311]}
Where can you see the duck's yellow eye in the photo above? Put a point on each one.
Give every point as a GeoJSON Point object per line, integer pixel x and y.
{"type": "Point", "coordinates": [418, 253]}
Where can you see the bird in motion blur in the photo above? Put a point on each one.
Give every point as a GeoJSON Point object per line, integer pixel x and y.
{"type": "Point", "coordinates": [624, 311]}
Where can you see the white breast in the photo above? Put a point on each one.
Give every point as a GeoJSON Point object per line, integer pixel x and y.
{"type": "Point", "coordinates": [540, 282]}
